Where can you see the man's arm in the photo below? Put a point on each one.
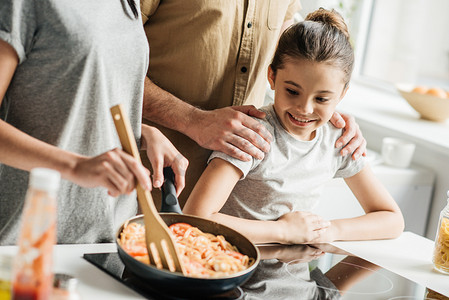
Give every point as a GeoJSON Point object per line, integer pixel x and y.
{"type": "Point", "coordinates": [230, 130]}
{"type": "Point", "coordinates": [166, 109]}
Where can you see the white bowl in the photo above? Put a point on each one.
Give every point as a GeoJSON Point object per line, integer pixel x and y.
{"type": "Point", "coordinates": [429, 107]}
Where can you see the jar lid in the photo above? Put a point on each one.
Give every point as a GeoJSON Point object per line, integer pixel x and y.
{"type": "Point", "coordinates": [65, 281]}
{"type": "Point", "coordinates": [45, 179]}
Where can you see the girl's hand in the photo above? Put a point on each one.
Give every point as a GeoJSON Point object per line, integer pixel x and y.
{"type": "Point", "coordinates": [290, 253]}
{"type": "Point", "coordinates": [115, 170]}
{"type": "Point", "coordinates": [162, 153]}
{"type": "Point", "coordinates": [301, 227]}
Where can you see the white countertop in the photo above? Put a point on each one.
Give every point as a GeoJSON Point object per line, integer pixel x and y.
{"type": "Point", "coordinates": [410, 256]}
{"type": "Point", "coordinates": [94, 284]}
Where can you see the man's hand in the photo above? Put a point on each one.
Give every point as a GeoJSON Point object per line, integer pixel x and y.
{"type": "Point", "coordinates": [232, 131]}
{"type": "Point", "coordinates": [162, 153]}
{"type": "Point", "coordinates": [352, 139]}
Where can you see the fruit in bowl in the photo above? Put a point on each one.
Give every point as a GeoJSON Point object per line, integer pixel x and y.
{"type": "Point", "coordinates": [432, 103]}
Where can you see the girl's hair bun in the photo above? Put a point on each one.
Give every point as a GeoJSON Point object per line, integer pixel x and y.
{"type": "Point", "coordinates": [329, 17]}
{"type": "Point", "coordinates": [322, 37]}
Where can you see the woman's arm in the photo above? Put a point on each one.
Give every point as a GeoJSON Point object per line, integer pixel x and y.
{"type": "Point", "coordinates": [162, 153]}
{"type": "Point", "coordinates": [213, 189]}
{"type": "Point", "coordinates": [383, 218]}
{"type": "Point", "coordinates": [8, 64]}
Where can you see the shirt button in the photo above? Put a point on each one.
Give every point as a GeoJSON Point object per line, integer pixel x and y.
{"type": "Point", "coordinates": [249, 25]}
{"type": "Point", "coordinates": [243, 69]}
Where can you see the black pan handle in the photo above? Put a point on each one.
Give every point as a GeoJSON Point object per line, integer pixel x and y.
{"type": "Point", "coordinates": [169, 200]}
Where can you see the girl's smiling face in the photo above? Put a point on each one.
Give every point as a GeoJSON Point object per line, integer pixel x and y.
{"type": "Point", "coordinates": [306, 94]}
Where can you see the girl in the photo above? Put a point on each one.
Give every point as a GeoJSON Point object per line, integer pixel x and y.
{"type": "Point", "coordinates": [270, 200]}
{"type": "Point", "coordinates": [63, 64]}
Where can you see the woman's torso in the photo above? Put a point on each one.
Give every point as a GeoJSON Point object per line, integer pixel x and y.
{"type": "Point", "coordinates": [77, 59]}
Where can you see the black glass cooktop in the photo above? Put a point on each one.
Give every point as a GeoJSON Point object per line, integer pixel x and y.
{"type": "Point", "coordinates": [291, 272]}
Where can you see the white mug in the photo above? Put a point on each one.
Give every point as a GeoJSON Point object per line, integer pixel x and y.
{"type": "Point", "coordinates": [397, 152]}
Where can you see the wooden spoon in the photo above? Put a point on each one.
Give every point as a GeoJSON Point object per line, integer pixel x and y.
{"type": "Point", "coordinates": [160, 244]}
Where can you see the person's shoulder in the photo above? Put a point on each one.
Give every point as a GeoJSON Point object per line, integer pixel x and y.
{"type": "Point", "coordinates": [332, 132]}
{"type": "Point", "coordinates": [269, 121]}
{"type": "Point", "coordinates": [270, 118]}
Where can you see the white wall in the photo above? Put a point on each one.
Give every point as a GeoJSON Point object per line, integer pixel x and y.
{"type": "Point", "coordinates": [408, 40]}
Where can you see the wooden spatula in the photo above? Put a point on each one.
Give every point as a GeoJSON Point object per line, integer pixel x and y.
{"type": "Point", "coordinates": [160, 245]}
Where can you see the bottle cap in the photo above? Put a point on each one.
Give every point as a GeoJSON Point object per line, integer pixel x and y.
{"type": "Point", "coordinates": [6, 262]}
{"type": "Point", "coordinates": [45, 179]}
{"type": "Point", "coordinates": [65, 282]}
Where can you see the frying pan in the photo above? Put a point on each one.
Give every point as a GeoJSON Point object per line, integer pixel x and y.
{"type": "Point", "coordinates": [175, 282]}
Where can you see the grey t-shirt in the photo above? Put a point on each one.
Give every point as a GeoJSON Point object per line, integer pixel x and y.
{"type": "Point", "coordinates": [77, 59]}
{"type": "Point", "coordinates": [291, 176]}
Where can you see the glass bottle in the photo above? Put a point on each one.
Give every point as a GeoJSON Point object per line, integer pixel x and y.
{"type": "Point", "coordinates": [65, 287]}
{"type": "Point", "coordinates": [33, 265]}
{"type": "Point", "coordinates": [5, 276]}
{"type": "Point", "coordinates": [441, 250]}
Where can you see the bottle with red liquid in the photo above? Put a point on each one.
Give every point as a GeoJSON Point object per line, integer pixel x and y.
{"type": "Point", "coordinates": [33, 265]}
{"type": "Point", "coordinates": [64, 287]}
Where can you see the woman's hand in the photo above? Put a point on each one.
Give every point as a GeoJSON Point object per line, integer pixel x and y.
{"type": "Point", "coordinates": [301, 227]}
{"type": "Point", "coordinates": [352, 139]}
{"type": "Point", "coordinates": [162, 153]}
{"type": "Point", "coordinates": [115, 170]}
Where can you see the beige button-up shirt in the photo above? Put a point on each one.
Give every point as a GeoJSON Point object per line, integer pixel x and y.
{"type": "Point", "coordinates": [212, 54]}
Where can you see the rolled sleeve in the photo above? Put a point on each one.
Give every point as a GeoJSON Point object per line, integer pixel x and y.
{"type": "Point", "coordinates": [147, 8]}
{"type": "Point", "coordinates": [18, 25]}
{"type": "Point", "coordinates": [244, 166]}
{"type": "Point", "coordinates": [350, 167]}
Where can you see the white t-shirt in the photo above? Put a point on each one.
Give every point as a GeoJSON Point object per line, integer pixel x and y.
{"type": "Point", "coordinates": [291, 176]}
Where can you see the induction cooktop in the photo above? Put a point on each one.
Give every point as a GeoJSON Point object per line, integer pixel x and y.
{"type": "Point", "coordinates": [290, 272]}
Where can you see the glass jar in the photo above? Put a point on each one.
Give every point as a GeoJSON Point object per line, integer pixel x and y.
{"type": "Point", "coordinates": [431, 294]}
{"type": "Point", "coordinates": [65, 287]}
{"type": "Point", "coordinates": [441, 250]}
{"type": "Point", "coordinates": [33, 265]}
{"type": "Point", "coordinates": [5, 276]}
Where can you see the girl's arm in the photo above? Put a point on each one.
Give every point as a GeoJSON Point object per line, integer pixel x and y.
{"type": "Point", "coordinates": [383, 218]}
{"type": "Point", "coordinates": [114, 170]}
{"type": "Point", "coordinates": [213, 189]}
{"type": "Point", "coordinates": [344, 276]}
